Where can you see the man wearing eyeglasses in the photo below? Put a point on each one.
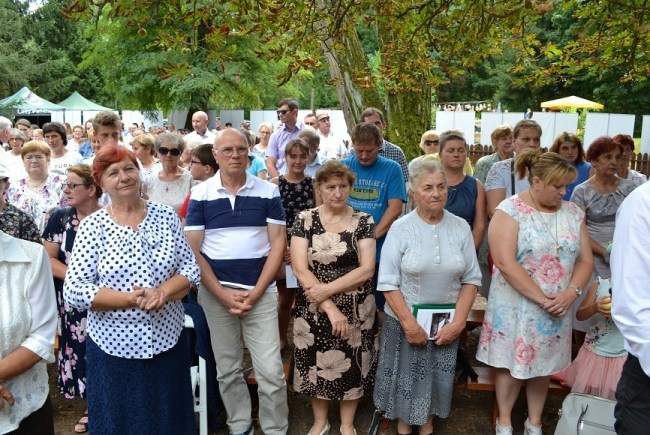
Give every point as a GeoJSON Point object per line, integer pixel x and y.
{"type": "Point", "coordinates": [236, 228]}
{"type": "Point", "coordinates": [288, 115]}
{"type": "Point", "coordinates": [331, 145]}
{"type": "Point", "coordinates": [201, 133]}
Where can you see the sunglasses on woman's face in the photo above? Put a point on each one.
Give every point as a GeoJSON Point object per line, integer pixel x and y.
{"type": "Point", "coordinates": [174, 151]}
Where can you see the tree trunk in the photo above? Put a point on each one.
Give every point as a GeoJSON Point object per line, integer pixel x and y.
{"type": "Point", "coordinates": [408, 109]}
{"type": "Point", "coordinates": [355, 85]}
{"type": "Point", "coordinates": [408, 115]}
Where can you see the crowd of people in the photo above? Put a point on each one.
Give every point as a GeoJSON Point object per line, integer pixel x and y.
{"type": "Point", "coordinates": [110, 237]}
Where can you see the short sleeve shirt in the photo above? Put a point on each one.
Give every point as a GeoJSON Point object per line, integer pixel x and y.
{"type": "Point", "coordinates": [109, 255]}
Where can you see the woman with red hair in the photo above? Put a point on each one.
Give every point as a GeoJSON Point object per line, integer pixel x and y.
{"type": "Point", "coordinates": [600, 197]}
{"type": "Point", "coordinates": [130, 266]}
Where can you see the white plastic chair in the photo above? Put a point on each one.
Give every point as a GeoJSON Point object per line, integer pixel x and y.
{"type": "Point", "coordinates": [199, 378]}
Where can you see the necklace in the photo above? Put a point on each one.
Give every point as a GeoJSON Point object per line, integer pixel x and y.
{"type": "Point", "coordinates": [606, 187]}
{"type": "Point", "coordinates": [555, 238]}
{"type": "Point", "coordinates": [144, 209]}
{"type": "Point", "coordinates": [325, 223]}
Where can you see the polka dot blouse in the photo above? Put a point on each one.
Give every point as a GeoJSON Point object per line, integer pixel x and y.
{"type": "Point", "coordinates": [108, 255]}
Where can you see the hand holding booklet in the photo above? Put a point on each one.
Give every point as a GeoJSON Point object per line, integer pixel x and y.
{"type": "Point", "coordinates": [432, 317]}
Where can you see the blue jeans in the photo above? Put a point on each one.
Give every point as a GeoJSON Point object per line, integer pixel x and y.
{"type": "Point", "coordinates": [260, 331]}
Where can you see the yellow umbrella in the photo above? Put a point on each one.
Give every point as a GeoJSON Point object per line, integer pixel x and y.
{"type": "Point", "coordinates": [571, 102]}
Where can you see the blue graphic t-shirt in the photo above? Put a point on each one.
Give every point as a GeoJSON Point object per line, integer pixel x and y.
{"type": "Point", "coordinates": [374, 187]}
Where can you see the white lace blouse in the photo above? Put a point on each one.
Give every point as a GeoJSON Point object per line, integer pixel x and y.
{"type": "Point", "coordinates": [27, 319]}
{"type": "Point", "coordinates": [109, 255]}
{"type": "Point", "coordinates": [171, 193]}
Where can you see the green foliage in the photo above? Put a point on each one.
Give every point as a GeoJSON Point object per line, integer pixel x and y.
{"type": "Point", "coordinates": [162, 54]}
{"type": "Point", "coordinates": [41, 50]}
{"type": "Point", "coordinates": [18, 53]}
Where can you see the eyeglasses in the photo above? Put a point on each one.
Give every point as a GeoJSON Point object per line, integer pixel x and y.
{"type": "Point", "coordinates": [194, 162]}
{"type": "Point", "coordinates": [72, 186]}
{"type": "Point", "coordinates": [431, 143]}
{"type": "Point", "coordinates": [173, 151]}
{"type": "Point", "coordinates": [283, 112]}
{"type": "Point", "coordinates": [15, 139]}
{"type": "Point", "coordinates": [230, 151]}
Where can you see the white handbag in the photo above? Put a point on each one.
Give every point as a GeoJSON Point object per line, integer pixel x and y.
{"type": "Point", "coordinates": [583, 414]}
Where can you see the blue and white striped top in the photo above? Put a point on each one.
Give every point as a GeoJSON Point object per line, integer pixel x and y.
{"type": "Point", "coordinates": [235, 242]}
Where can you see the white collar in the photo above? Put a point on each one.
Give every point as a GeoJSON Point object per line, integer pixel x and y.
{"type": "Point", "coordinates": [248, 184]}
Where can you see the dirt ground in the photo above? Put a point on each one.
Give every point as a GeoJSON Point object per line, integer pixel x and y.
{"type": "Point", "coordinates": [470, 411]}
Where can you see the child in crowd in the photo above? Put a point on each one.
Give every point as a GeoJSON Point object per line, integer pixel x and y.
{"type": "Point", "coordinates": [597, 368]}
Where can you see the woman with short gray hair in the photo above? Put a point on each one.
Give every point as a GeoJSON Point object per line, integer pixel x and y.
{"type": "Point", "coordinates": [171, 184]}
{"type": "Point", "coordinates": [428, 258]}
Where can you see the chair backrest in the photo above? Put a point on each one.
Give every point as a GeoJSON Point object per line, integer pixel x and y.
{"type": "Point", "coordinates": [199, 378]}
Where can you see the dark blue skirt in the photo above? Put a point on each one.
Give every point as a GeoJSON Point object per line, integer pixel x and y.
{"type": "Point", "coordinates": [140, 396]}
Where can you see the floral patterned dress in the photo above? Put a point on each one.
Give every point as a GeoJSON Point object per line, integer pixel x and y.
{"type": "Point", "coordinates": [72, 322]}
{"type": "Point", "coordinates": [36, 203]}
{"type": "Point", "coordinates": [518, 334]}
{"type": "Point", "coordinates": [328, 367]}
{"type": "Point", "coordinates": [296, 197]}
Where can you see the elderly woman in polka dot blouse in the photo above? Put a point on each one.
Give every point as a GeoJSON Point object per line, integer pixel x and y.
{"type": "Point", "coordinates": [130, 266]}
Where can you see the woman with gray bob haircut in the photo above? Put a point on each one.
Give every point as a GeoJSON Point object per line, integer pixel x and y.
{"type": "Point", "coordinates": [428, 258]}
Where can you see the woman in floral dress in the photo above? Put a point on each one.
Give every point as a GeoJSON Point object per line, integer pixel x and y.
{"type": "Point", "coordinates": [40, 191]}
{"type": "Point", "coordinates": [542, 253]}
{"type": "Point", "coordinates": [335, 330]}
{"type": "Point", "coordinates": [58, 238]}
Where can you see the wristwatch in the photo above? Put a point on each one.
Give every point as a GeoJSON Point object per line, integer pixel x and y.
{"type": "Point", "coordinates": [577, 289]}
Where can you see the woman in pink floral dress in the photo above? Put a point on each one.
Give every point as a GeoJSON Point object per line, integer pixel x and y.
{"type": "Point", "coordinates": [335, 331]}
{"type": "Point", "coordinates": [541, 251]}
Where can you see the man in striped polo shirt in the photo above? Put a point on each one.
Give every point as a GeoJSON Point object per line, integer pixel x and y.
{"type": "Point", "coordinates": [236, 227]}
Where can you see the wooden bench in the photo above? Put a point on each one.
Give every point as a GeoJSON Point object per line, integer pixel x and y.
{"type": "Point", "coordinates": [485, 382]}
{"type": "Point", "coordinates": [474, 320]}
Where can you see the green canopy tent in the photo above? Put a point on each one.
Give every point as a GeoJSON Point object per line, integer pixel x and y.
{"type": "Point", "coordinates": [79, 103]}
{"type": "Point", "coordinates": [76, 101]}
{"type": "Point", "coordinates": [27, 104]}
